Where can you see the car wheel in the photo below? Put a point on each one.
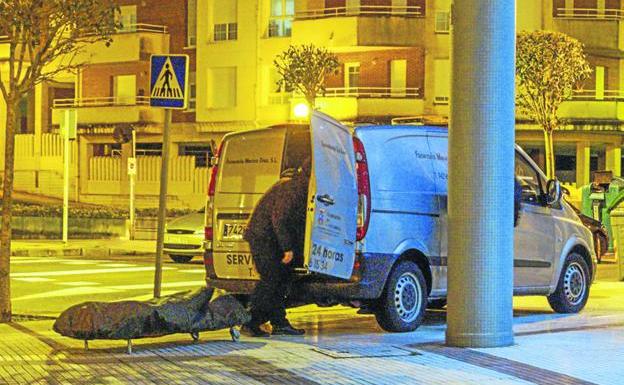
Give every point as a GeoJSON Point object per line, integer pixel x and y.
{"type": "Point", "coordinates": [403, 302]}
{"type": "Point", "coordinates": [437, 303]}
{"type": "Point", "coordinates": [573, 286]}
{"type": "Point", "coordinates": [180, 258]}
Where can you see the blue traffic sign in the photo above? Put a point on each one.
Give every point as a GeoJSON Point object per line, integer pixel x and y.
{"type": "Point", "coordinates": [169, 81]}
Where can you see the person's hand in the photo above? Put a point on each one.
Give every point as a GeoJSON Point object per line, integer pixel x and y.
{"type": "Point", "coordinates": [288, 257]}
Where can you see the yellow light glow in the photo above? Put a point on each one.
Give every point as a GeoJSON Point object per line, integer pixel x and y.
{"type": "Point", "coordinates": [301, 111]}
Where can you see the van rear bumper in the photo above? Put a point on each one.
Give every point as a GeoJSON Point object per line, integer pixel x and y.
{"type": "Point", "coordinates": [367, 283]}
{"type": "Point", "coordinates": [307, 290]}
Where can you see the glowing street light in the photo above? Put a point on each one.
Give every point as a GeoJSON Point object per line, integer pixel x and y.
{"type": "Point", "coordinates": [302, 111]}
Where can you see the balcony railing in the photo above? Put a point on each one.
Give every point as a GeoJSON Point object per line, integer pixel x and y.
{"type": "Point", "coordinates": [591, 13]}
{"type": "Point", "coordinates": [372, 92]}
{"type": "Point", "coordinates": [141, 27]}
{"type": "Point", "coordinates": [361, 10]}
{"type": "Point", "coordinates": [112, 101]}
{"type": "Point", "coordinates": [606, 95]}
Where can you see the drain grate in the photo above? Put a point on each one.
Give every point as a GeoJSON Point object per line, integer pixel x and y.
{"type": "Point", "coordinates": [30, 317]}
{"type": "Point", "coordinates": [363, 351]}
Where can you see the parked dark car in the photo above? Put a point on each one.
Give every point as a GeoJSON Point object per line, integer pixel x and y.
{"type": "Point", "coordinates": [601, 237]}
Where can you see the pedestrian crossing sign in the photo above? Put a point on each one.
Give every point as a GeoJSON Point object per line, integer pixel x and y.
{"type": "Point", "coordinates": [169, 81]}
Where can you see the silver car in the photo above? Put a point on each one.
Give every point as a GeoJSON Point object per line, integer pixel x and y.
{"type": "Point", "coordinates": [184, 237]}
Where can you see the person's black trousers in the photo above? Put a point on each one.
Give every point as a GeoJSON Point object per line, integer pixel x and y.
{"type": "Point", "coordinates": [268, 301]}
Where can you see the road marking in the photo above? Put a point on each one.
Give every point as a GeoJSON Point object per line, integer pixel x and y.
{"type": "Point", "coordinates": [116, 264]}
{"type": "Point", "coordinates": [78, 283]}
{"type": "Point", "coordinates": [74, 291]}
{"type": "Point", "coordinates": [34, 279]}
{"type": "Point", "coordinates": [165, 285]}
{"type": "Point", "coordinates": [87, 271]}
{"type": "Point", "coordinates": [78, 263]}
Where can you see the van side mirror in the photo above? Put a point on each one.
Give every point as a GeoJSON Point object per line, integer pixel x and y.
{"type": "Point", "coordinates": [553, 192]}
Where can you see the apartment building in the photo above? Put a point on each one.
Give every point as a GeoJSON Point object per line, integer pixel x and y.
{"type": "Point", "coordinates": [111, 96]}
{"type": "Point", "coordinates": [394, 57]}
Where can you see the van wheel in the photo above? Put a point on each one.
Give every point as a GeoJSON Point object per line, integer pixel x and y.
{"type": "Point", "coordinates": [573, 286]}
{"type": "Point", "coordinates": [180, 258]}
{"type": "Point", "coordinates": [404, 300]}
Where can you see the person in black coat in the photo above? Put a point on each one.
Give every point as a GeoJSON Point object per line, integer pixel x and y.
{"type": "Point", "coordinates": [275, 233]}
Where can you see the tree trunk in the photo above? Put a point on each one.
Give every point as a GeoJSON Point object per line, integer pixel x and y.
{"type": "Point", "coordinates": [5, 233]}
{"type": "Point", "coordinates": [549, 154]}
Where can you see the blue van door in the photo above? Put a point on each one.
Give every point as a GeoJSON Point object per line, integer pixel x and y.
{"type": "Point", "coordinates": [332, 207]}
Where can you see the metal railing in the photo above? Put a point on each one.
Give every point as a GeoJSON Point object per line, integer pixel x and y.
{"type": "Point", "coordinates": [142, 27]}
{"type": "Point", "coordinates": [591, 95]}
{"type": "Point", "coordinates": [372, 92]}
{"type": "Point", "coordinates": [110, 101]}
{"type": "Point", "coordinates": [361, 10]}
{"type": "Point", "coordinates": [590, 13]}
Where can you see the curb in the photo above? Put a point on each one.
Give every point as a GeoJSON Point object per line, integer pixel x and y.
{"type": "Point", "coordinates": [78, 252]}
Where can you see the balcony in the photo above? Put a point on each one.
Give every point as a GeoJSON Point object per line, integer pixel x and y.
{"type": "Point", "coordinates": [135, 42]}
{"type": "Point", "coordinates": [107, 111]}
{"type": "Point", "coordinates": [598, 29]}
{"type": "Point", "coordinates": [374, 26]}
{"type": "Point", "coordinates": [353, 102]}
{"type": "Point", "coordinates": [590, 105]}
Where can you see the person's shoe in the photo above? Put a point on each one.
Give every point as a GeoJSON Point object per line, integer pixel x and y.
{"type": "Point", "coordinates": [287, 330]}
{"type": "Point", "coordinates": [254, 331]}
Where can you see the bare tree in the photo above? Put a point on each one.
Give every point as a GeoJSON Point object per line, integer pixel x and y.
{"type": "Point", "coordinates": [43, 38]}
{"type": "Point", "coordinates": [303, 68]}
{"type": "Point", "coordinates": [549, 65]}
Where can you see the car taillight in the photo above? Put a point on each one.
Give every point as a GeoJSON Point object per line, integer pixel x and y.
{"type": "Point", "coordinates": [363, 187]}
{"type": "Point", "coordinates": [213, 173]}
{"type": "Point", "coordinates": [208, 233]}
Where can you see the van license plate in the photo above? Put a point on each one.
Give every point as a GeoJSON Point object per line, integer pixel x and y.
{"type": "Point", "coordinates": [233, 231]}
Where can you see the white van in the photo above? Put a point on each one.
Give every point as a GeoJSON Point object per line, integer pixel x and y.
{"type": "Point", "coordinates": [376, 228]}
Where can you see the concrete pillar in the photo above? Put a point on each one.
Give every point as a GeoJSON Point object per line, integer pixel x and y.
{"type": "Point", "coordinates": [583, 153]}
{"type": "Point", "coordinates": [614, 159]}
{"type": "Point", "coordinates": [481, 174]}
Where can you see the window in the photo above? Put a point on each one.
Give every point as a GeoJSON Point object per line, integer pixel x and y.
{"type": "Point", "coordinates": [149, 149]}
{"type": "Point", "coordinates": [124, 89]}
{"type": "Point", "coordinates": [282, 14]}
{"type": "Point", "coordinates": [222, 87]}
{"type": "Point", "coordinates": [398, 78]}
{"type": "Point", "coordinates": [128, 18]}
{"type": "Point", "coordinates": [191, 23]}
{"type": "Point", "coordinates": [352, 75]}
{"type": "Point", "coordinates": [225, 32]}
{"type": "Point", "coordinates": [442, 22]}
{"type": "Point", "coordinates": [442, 76]}
{"type": "Point", "coordinates": [529, 180]}
{"type": "Point", "coordinates": [107, 149]}
{"type": "Point", "coordinates": [192, 102]}
{"type": "Point", "coordinates": [202, 152]}
{"type": "Point", "coordinates": [275, 93]}
{"type": "Point", "coordinates": [225, 20]}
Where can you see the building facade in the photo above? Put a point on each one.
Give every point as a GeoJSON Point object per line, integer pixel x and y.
{"type": "Point", "coordinates": [395, 63]}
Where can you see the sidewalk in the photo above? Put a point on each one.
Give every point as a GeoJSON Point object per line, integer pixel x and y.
{"type": "Point", "coordinates": [339, 349]}
{"type": "Point", "coordinates": [82, 247]}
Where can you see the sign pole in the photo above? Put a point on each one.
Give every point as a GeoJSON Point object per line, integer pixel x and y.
{"type": "Point", "coordinates": [168, 90]}
{"type": "Point", "coordinates": [132, 176]}
{"type": "Point", "coordinates": [66, 176]}
{"type": "Point", "coordinates": [162, 204]}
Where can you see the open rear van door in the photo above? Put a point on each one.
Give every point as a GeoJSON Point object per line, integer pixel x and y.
{"type": "Point", "coordinates": [332, 207]}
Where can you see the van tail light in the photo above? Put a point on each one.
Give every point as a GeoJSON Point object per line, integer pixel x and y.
{"type": "Point", "coordinates": [213, 173]}
{"type": "Point", "coordinates": [363, 187]}
{"type": "Point", "coordinates": [208, 233]}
